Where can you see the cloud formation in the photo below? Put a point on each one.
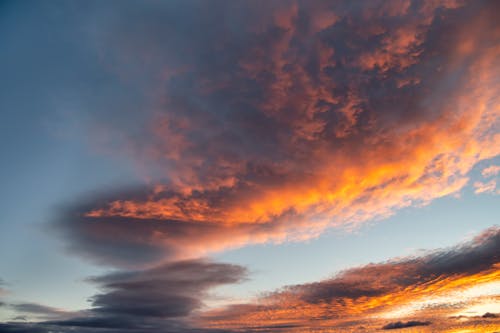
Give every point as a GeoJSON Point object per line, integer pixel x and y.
{"type": "Point", "coordinates": [273, 121]}
{"type": "Point", "coordinates": [160, 299]}
{"type": "Point", "coordinates": [41, 312]}
{"type": "Point", "coordinates": [425, 290]}
{"type": "Point", "coordinates": [399, 324]}
{"type": "Point", "coordinates": [268, 122]}
{"type": "Point", "coordinates": [421, 289]}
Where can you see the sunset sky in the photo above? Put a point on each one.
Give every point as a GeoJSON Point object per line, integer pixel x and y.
{"type": "Point", "coordinates": [250, 166]}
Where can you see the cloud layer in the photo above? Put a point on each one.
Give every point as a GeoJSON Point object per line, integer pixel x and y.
{"type": "Point", "coordinates": [155, 300]}
{"type": "Point", "coordinates": [426, 289]}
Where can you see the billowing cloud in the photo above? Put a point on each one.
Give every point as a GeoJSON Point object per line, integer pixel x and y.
{"type": "Point", "coordinates": [425, 289]}
{"type": "Point", "coordinates": [267, 122]}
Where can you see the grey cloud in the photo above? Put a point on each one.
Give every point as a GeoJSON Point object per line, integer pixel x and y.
{"type": "Point", "coordinates": [400, 324]}
{"type": "Point", "coordinates": [154, 300]}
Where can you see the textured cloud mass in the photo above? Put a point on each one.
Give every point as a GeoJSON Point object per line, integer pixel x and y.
{"type": "Point", "coordinates": [427, 290]}
{"type": "Point", "coordinates": [266, 122]}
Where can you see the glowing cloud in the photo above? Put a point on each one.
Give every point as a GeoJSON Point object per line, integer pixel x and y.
{"type": "Point", "coordinates": [302, 116]}
{"type": "Point", "coordinates": [425, 291]}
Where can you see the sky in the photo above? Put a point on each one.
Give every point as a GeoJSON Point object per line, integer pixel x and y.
{"type": "Point", "coordinates": [250, 166]}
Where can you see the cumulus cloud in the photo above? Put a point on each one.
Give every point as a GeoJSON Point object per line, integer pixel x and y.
{"type": "Point", "coordinates": [267, 122]}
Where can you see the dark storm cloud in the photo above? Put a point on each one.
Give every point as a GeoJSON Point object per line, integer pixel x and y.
{"type": "Point", "coordinates": [400, 324]}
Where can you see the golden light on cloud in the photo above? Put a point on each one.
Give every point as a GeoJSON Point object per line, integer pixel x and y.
{"type": "Point", "coordinates": [442, 290]}
{"type": "Point", "coordinates": [378, 165]}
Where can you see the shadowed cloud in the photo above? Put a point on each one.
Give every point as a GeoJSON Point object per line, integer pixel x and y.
{"type": "Point", "coordinates": [268, 122]}
{"type": "Point", "coordinates": [399, 324]}
{"type": "Point", "coordinates": [160, 299]}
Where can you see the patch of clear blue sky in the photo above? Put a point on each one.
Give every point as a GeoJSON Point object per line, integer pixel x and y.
{"type": "Point", "coordinates": [46, 160]}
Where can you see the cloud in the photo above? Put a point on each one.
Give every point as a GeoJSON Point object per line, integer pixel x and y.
{"type": "Point", "coordinates": [160, 299]}
{"type": "Point", "coordinates": [40, 312]}
{"type": "Point", "coordinates": [134, 242]}
{"type": "Point", "coordinates": [267, 122]}
{"type": "Point", "coordinates": [2, 290]}
{"type": "Point", "coordinates": [431, 287]}
{"type": "Point", "coordinates": [489, 315]}
{"type": "Point", "coordinates": [490, 171]}
{"type": "Point", "coordinates": [157, 299]}
{"type": "Point", "coordinates": [399, 324]}
{"type": "Point", "coordinates": [489, 187]}
{"type": "Point", "coordinates": [169, 298]}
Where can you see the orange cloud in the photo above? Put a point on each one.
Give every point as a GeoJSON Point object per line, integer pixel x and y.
{"type": "Point", "coordinates": [288, 134]}
{"type": "Point", "coordinates": [430, 289]}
